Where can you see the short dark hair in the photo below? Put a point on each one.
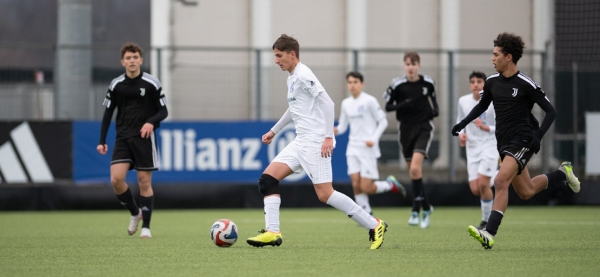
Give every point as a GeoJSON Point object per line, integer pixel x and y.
{"type": "Point", "coordinates": [510, 44]}
{"type": "Point", "coordinates": [355, 74]}
{"type": "Point", "coordinates": [477, 74]}
{"type": "Point", "coordinates": [287, 43]}
{"type": "Point", "coordinates": [413, 56]}
{"type": "Point", "coordinates": [131, 47]}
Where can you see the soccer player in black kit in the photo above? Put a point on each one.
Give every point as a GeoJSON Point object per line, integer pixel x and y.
{"type": "Point", "coordinates": [518, 133]}
{"type": "Point", "coordinates": [141, 107]}
{"type": "Point", "coordinates": [410, 96]}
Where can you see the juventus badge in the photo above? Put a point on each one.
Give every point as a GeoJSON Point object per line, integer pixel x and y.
{"type": "Point", "coordinates": [424, 90]}
{"type": "Point", "coordinates": [143, 91]}
{"type": "Point", "coordinates": [515, 91]}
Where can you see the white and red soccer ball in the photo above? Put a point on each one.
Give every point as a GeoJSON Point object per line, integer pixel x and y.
{"type": "Point", "coordinates": [224, 233]}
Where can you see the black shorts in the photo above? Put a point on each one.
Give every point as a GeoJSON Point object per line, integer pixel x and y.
{"type": "Point", "coordinates": [415, 138]}
{"type": "Point", "coordinates": [519, 152]}
{"type": "Point", "coordinates": [140, 153]}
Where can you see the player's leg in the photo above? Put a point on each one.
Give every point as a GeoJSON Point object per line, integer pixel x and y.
{"type": "Point", "coordinates": [369, 175]}
{"type": "Point", "coordinates": [121, 163]}
{"type": "Point", "coordinates": [320, 173]}
{"type": "Point", "coordinates": [284, 164]}
{"type": "Point", "coordinates": [415, 171]}
{"type": "Point", "coordinates": [506, 174]}
{"type": "Point", "coordinates": [145, 160]}
{"type": "Point", "coordinates": [146, 201]}
{"type": "Point", "coordinates": [361, 198]}
{"type": "Point", "coordinates": [486, 168]}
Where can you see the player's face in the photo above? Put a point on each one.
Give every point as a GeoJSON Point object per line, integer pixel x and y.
{"type": "Point", "coordinates": [132, 61]}
{"type": "Point", "coordinates": [499, 59]}
{"type": "Point", "coordinates": [284, 59]}
{"type": "Point", "coordinates": [476, 84]}
{"type": "Point", "coordinates": [355, 86]}
{"type": "Point", "coordinates": [411, 68]}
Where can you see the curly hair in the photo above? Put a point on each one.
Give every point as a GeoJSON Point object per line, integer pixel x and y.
{"type": "Point", "coordinates": [510, 44]}
{"type": "Point", "coordinates": [287, 44]}
{"type": "Point", "coordinates": [131, 47]}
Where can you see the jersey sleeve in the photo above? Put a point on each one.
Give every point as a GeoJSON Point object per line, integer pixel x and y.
{"type": "Point", "coordinates": [539, 97]}
{"type": "Point", "coordinates": [312, 86]}
{"type": "Point", "coordinates": [380, 117]}
{"type": "Point", "coordinates": [342, 126]}
{"type": "Point", "coordinates": [110, 104]}
{"type": "Point", "coordinates": [160, 101]}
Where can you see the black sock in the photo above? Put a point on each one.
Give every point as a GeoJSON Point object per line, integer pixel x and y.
{"type": "Point", "coordinates": [147, 204]}
{"type": "Point", "coordinates": [424, 203]}
{"type": "Point", "coordinates": [417, 186]}
{"type": "Point", "coordinates": [555, 177]}
{"type": "Point", "coordinates": [127, 200]}
{"type": "Point", "coordinates": [494, 222]}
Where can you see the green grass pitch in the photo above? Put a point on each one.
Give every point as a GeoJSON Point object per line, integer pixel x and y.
{"type": "Point", "coordinates": [533, 241]}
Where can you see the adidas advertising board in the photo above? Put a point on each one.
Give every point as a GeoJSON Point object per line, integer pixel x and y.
{"type": "Point", "coordinates": [35, 152]}
{"type": "Point", "coordinates": [198, 152]}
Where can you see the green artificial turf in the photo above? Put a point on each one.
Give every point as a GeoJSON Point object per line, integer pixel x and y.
{"type": "Point", "coordinates": [532, 241]}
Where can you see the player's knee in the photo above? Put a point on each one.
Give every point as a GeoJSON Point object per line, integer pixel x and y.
{"type": "Point", "coordinates": [268, 185]}
{"type": "Point", "coordinates": [524, 194]}
{"type": "Point", "coordinates": [414, 172]}
{"type": "Point", "coordinates": [117, 180]}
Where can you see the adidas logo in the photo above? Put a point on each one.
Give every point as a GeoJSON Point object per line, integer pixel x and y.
{"type": "Point", "coordinates": [145, 209]}
{"type": "Point", "coordinates": [21, 160]}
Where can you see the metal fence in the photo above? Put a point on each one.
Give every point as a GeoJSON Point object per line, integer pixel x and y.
{"type": "Point", "coordinates": [221, 83]}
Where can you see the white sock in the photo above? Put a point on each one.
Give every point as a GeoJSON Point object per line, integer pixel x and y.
{"type": "Point", "coordinates": [486, 209]}
{"type": "Point", "coordinates": [493, 178]}
{"type": "Point", "coordinates": [362, 199]}
{"type": "Point", "coordinates": [345, 204]}
{"type": "Point", "coordinates": [272, 213]}
{"type": "Point", "coordinates": [383, 186]}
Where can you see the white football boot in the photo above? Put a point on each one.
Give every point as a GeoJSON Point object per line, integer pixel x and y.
{"type": "Point", "coordinates": [133, 223]}
{"type": "Point", "coordinates": [145, 234]}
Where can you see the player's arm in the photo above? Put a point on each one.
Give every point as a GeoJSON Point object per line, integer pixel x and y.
{"type": "Point", "coordinates": [491, 120]}
{"type": "Point", "coordinates": [110, 105]}
{"type": "Point", "coordinates": [436, 108]}
{"type": "Point", "coordinates": [459, 116]}
{"type": "Point", "coordinates": [390, 97]}
{"type": "Point", "coordinates": [540, 98]}
{"type": "Point", "coordinates": [481, 107]}
{"type": "Point", "coordinates": [329, 113]}
{"type": "Point", "coordinates": [342, 126]}
{"type": "Point", "coordinates": [285, 119]}
{"type": "Point", "coordinates": [161, 104]}
{"type": "Point", "coordinates": [382, 122]}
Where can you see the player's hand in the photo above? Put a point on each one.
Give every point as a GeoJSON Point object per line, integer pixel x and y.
{"type": "Point", "coordinates": [102, 148]}
{"type": "Point", "coordinates": [534, 145]}
{"type": "Point", "coordinates": [478, 122]}
{"type": "Point", "coordinates": [268, 137]}
{"type": "Point", "coordinates": [335, 131]}
{"type": "Point", "coordinates": [147, 130]}
{"type": "Point", "coordinates": [327, 148]}
{"type": "Point", "coordinates": [462, 139]}
{"type": "Point", "coordinates": [369, 143]}
{"type": "Point", "coordinates": [461, 125]}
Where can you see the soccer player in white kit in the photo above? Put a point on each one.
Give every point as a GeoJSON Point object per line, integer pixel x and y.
{"type": "Point", "coordinates": [480, 141]}
{"type": "Point", "coordinates": [367, 123]}
{"type": "Point", "coordinates": [312, 111]}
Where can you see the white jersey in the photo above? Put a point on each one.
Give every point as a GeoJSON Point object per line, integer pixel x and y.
{"type": "Point", "coordinates": [367, 122]}
{"type": "Point", "coordinates": [480, 144]}
{"type": "Point", "coordinates": [306, 112]}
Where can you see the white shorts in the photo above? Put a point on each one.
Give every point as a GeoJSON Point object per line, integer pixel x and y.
{"type": "Point", "coordinates": [485, 167]}
{"type": "Point", "coordinates": [307, 158]}
{"type": "Point", "coordinates": [366, 166]}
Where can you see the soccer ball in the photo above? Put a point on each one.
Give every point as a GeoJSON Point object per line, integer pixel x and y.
{"type": "Point", "coordinates": [224, 233]}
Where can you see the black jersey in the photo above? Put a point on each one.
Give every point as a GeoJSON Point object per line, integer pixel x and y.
{"type": "Point", "coordinates": [139, 100]}
{"type": "Point", "coordinates": [410, 100]}
{"type": "Point", "coordinates": [513, 99]}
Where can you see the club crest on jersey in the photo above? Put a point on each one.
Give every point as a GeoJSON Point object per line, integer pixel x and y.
{"type": "Point", "coordinates": [142, 91]}
{"type": "Point", "coordinates": [425, 91]}
{"type": "Point", "coordinates": [292, 87]}
{"type": "Point", "coordinates": [361, 108]}
{"type": "Point", "coordinates": [515, 91]}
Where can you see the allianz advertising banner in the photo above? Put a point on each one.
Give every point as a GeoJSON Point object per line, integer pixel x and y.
{"type": "Point", "coordinates": [198, 152]}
